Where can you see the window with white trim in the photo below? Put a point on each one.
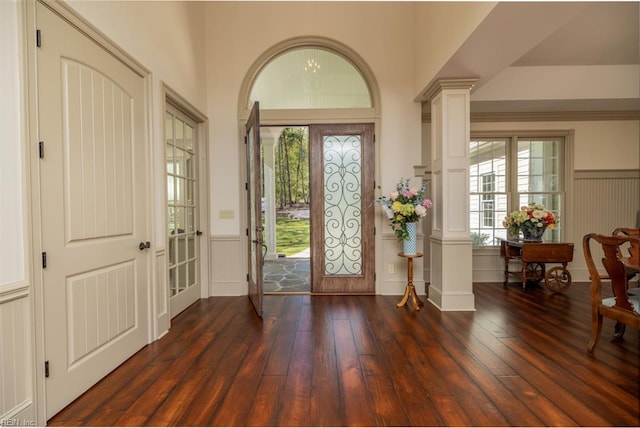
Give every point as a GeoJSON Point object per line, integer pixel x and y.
{"type": "Point", "coordinates": [508, 172]}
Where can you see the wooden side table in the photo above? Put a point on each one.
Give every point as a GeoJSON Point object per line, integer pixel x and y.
{"type": "Point", "coordinates": [410, 290]}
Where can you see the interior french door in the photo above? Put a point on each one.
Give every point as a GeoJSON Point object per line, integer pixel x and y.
{"type": "Point", "coordinates": [182, 209]}
{"type": "Point", "coordinates": [254, 208]}
{"type": "Point", "coordinates": [342, 211]}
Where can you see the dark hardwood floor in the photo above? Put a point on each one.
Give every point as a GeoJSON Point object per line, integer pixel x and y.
{"type": "Point", "coordinates": [519, 360]}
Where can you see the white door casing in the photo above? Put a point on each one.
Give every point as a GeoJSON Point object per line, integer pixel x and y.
{"type": "Point", "coordinates": [93, 197]}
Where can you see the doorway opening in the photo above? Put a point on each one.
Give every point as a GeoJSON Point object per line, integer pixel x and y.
{"type": "Point", "coordinates": [285, 206]}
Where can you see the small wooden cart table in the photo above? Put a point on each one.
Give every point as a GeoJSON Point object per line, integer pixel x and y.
{"type": "Point", "coordinates": [534, 256]}
{"type": "Point", "coordinates": [410, 289]}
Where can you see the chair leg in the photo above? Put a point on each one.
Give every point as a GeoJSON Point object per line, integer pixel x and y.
{"type": "Point", "coordinates": [596, 331]}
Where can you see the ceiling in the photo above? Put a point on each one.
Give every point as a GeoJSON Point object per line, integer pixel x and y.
{"type": "Point", "coordinates": [550, 34]}
{"type": "Point", "coordinates": [602, 34]}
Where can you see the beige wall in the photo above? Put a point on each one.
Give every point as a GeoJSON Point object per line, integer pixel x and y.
{"type": "Point", "coordinates": [599, 144]}
{"type": "Point", "coordinates": [441, 27]}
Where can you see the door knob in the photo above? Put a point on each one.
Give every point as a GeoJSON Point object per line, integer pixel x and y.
{"type": "Point", "coordinates": [144, 245]}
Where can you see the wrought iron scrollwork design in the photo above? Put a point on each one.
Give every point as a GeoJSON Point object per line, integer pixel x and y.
{"type": "Point", "coordinates": [342, 204]}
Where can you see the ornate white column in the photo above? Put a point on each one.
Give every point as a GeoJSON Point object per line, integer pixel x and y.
{"type": "Point", "coordinates": [451, 287]}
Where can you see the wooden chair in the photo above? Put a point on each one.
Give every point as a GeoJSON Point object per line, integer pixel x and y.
{"type": "Point", "coordinates": [622, 307]}
{"type": "Point", "coordinates": [626, 252]}
{"type": "Point", "coordinates": [630, 251]}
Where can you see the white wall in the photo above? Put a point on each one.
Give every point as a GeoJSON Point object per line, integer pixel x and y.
{"type": "Point", "coordinates": [17, 388]}
{"type": "Point", "coordinates": [12, 214]}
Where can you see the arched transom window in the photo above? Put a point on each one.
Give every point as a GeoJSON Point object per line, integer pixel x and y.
{"type": "Point", "coordinates": [310, 78]}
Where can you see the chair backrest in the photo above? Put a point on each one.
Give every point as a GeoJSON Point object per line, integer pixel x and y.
{"type": "Point", "coordinates": [612, 263]}
{"type": "Point", "coordinates": [628, 231]}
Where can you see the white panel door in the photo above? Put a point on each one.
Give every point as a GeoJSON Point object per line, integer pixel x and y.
{"type": "Point", "coordinates": [93, 209]}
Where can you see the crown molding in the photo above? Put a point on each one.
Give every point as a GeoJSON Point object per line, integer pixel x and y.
{"type": "Point", "coordinates": [438, 85]}
{"type": "Point", "coordinates": [600, 174]}
{"type": "Point", "coordinates": [548, 116]}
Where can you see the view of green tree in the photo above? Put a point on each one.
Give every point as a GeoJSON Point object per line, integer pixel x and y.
{"type": "Point", "coordinates": [292, 168]}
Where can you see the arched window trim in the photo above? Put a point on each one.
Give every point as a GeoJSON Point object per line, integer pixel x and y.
{"type": "Point", "coordinates": [318, 43]}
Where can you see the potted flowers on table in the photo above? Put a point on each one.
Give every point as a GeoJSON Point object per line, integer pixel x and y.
{"type": "Point", "coordinates": [405, 207]}
{"type": "Point", "coordinates": [532, 220]}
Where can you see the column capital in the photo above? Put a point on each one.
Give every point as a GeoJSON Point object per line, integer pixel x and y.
{"type": "Point", "coordinates": [440, 84]}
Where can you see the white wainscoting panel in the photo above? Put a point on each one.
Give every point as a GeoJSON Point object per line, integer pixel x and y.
{"type": "Point", "coordinates": [603, 200]}
{"type": "Point", "coordinates": [16, 377]}
{"type": "Point", "coordinates": [228, 263]}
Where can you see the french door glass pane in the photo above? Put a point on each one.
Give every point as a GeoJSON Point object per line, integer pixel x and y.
{"type": "Point", "coordinates": [342, 168]}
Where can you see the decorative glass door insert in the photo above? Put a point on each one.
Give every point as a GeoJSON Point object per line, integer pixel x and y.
{"type": "Point", "coordinates": [342, 167]}
{"type": "Point", "coordinates": [342, 227]}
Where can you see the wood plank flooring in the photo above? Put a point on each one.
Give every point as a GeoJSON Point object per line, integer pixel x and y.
{"type": "Point", "coordinates": [519, 360]}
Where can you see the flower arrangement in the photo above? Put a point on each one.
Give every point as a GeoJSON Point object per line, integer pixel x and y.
{"type": "Point", "coordinates": [404, 205]}
{"type": "Point", "coordinates": [530, 216]}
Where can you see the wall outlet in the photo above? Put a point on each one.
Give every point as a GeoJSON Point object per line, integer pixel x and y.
{"type": "Point", "coordinates": [391, 268]}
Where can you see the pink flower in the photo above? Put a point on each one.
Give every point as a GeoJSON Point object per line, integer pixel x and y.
{"type": "Point", "coordinates": [407, 193]}
{"type": "Point", "coordinates": [393, 196]}
{"type": "Point", "coordinates": [427, 203]}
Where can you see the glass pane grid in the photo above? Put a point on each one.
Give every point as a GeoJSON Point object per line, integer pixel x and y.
{"type": "Point", "coordinates": [488, 186]}
{"type": "Point", "coordinates": [181, 203]}
{"type": "Point", "coordinates": [537, 178]}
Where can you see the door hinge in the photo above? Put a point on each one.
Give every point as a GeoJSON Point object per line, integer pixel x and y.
{"type": "Point", "coordinates": [41, 149]}
{"type": "Point", "coordinates": [46, 369]}
{"type": "Point", "coordinates": [44, 259]}
{"type": "Point", "coordinates": [246, 231]}
{"type": "Point", "coordinates": [38, 38]}
{"type": "Point", "coordinates": [374, 231]}
{"type": "Point", "coordinates": [246, 186]}
{"type": "Point", "coordinates": [247, 277]}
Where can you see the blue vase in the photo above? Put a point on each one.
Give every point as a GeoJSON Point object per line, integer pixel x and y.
{"type": "Point", "coordinates": [410, 246]}
{"type": "Point", "coordinates": [531, 232]}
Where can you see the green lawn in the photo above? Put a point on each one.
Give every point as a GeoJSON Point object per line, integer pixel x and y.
{"type": "Point", "coordinates": [292, 235]}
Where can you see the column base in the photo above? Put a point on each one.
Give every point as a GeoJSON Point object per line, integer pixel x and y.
{"type": "Point", "coordinates": [451, 301]}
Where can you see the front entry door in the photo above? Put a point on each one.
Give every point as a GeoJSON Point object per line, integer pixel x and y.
{"type": "Point", "coordinates": [342, 211]}
{"type": "Point", "coordinates": [254, 208]}
{"type": "Point", "coordinates": [93, 194]}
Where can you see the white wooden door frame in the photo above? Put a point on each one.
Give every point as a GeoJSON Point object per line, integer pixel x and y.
{"type": "Point", "coordinates": [171, 97]}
